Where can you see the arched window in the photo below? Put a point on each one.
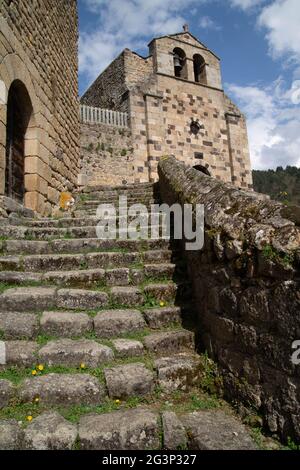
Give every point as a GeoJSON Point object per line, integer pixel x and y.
{"type": "Point", "coordinates": [199, 69]}
{"type": "Point", "coordinates": [19, 113]}
{"type": "Point", "coordinates": [202, 169]}
{"type": "Point", "coordinates": [180, 67]}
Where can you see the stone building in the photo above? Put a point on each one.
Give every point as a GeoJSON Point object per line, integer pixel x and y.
{"type": "Point", "coordinates": [176, 105]}
{"type": "Point", "coordinates": [39, 119]}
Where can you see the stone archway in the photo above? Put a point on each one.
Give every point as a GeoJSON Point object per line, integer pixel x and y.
{"type": "Point", "coordinates": [203, 169]}
{"type": "Point", "coordinates": [19, 121]}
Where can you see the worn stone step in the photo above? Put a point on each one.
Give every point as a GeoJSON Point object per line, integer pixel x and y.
{"type": "Point", "coordinates": [179, 372]}
{"type": "Point", "coordinates": [158, 271]}
{"type": "Point", "coordinates": [80, 245]}
{"type": "Point", "coordinates": [68, 352]}
{"type": "Point", "coordinates": [20, 353]}
{"type": "Point", "coordinates": [170, 342]}
{"type": "Point", "coordinates": [65, 324]}
{"type": "Point", "coordinates": [113, 323]}
{"type": "Point", "coordinates": [114, 200]}
{"type": "Point", "coordinates": [126, 187]}
{"type": "Point", "coordinates": [88, 261]}
{"type": "Point", "coordinates": [63, 389]}
{"type": "Point", "coordinates": [26, 299]}
{"type": "Point", "coordinates": [127, 296]}
{"type": "Point", "coordinates": [136, 429]}
{"type": "Point", "coordinates": [16, 325]}
{"type": "Point", "coordinates": [129, 380]}
{"type": "Point", "coordinates": [158, 318]}
{"type": "Point", "coordinates": [128, 347]}
{"type": "Point", "coordinates": [161, 292]}
{"type": "Point", "coordinates": [81, 299]}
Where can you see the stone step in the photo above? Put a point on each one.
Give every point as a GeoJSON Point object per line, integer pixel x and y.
{"type": "Point", "coordinates": [80, 245]}
{"type": "Point", "coordinates": [38, 299]}
{"type": "Point", "coordinates": [116, 200]}
{"type": "Point", "coordinates": [170, 342]}
{"type": "Point", "coordinates": [68, 352]}
{"type": "Point", "coordinates": [129, 380]}
{"type": "Point", "coordinates": [179, 372]}
{"type": "Point", "coordinates": [88, 261]}
{"type": "Point", "coordinates": [149, 430]}
{"type": "Point", "coordinates": [114, 323]}
{"type": "Point", "coordinates": [157, 318]}
{"type": "Point", "coordinates": [62, 389]}
{"type": "Point", "coordinates": [65, 324]}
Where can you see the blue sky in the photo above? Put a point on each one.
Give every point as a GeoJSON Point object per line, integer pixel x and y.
{"type": "Point", "coordinates": [258, 42]}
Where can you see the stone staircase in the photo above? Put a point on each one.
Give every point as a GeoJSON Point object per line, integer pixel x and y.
{"type": "Point", "coordinates": [97, 345]}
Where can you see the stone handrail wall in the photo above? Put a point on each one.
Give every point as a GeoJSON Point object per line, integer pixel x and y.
{"type": "Point", "coordinates": [92, 115]}
{"type": "Point", "coordinates": [246, 284]}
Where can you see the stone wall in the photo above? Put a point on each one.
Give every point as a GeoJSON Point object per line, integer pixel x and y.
{"type": "Point", "coordinates": [106, 155]}
{"type": "Point", "coordinates": [247, 289]}
{"type": "Point", "coordinates": [38, 48]}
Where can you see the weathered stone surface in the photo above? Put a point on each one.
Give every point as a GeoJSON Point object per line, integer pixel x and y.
{"type": "Point", "coordinates": [53, 262]}
{"type": "Point", "coordinates": [18, 325]}
{"type": "Point", "coordinates": [50, 431]}
{"type": "Point", "coordinates": [128, 347]}
{"type": "Point", "coordinates": [174, 435]}
{"type": "Point", "coordinates": [215, 430]}
{"type": "Point", "coordinates": [67, 352]}
{"type": "Point", "coordinates": [23, 299]}
{"type": "Point", "coordinates": [159, 271]}
{"type": "Point", "coordinates": [6, 392]}
{"type": "Point", "coordinates": [129, 296]}
{"type": "Point", "coordinates": [11, 435]}
{"type": "Point", "coordinates": [129, 380]}
{"type": "Point", "coordinates": [170, 341]}
{"type": "Point", "coordinates": [78, 299]}
{"type": "Point", "coordinates": [65, 324]}
{"type": "Point", "coordinates": [21, 353]}
{"type": "Point", "coordinates": [63, 389]}
{"type": "Point", "coordinates": [162, 317]}
{"type": "Point", "coordinates": [86, 277]}
{"type": "Point", "coordinates": [111, 323]}
{"type": "Point", "coordinates": [127, 430]}
{"type": "Point", "coordinates": [161, 291]}
{"type": "Point", "coordinates": [117, 277]}
{"type": "Point", "coordinates": [179, 372]}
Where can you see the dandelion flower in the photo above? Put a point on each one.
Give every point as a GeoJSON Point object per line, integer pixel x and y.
{"type": "Point", "coordinates": [82, 366]}
{"type": "Point", "coordinates": [162, 303]}
{"type": "Point", "coordinates": [117, 402]}
{"type": "Point", "coordinates": [33, 372]}
{"type": "Point", "coordinates": [40, 367]}
{"type": "Point", "coordinates": [29, 418]}
{"type": "Point", "coordinates": [36, 399]}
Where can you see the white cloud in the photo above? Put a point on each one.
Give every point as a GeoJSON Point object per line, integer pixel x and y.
{"type": "Point", "coordinates": [246, 4]}
{"type": "Point", "coordinates": [206, 22]}
{"type": "Point", "coordinates": [282, 21]}
{"type": "Point", "coordinates": [273, 123]}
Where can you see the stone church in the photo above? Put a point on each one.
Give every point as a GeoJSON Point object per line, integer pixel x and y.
{"type": "Point", "coordinates": [175, 104]}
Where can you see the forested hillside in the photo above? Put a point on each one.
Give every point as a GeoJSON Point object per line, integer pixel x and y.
{"type": "Point", "coordinates": [281, 184]}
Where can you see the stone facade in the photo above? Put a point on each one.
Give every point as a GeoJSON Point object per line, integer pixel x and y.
{"type": "Point", "coordinates": [246, 284]}
{"type": "Point", "coordinates": [176, 109]}
{"type": "Point", "coordinates": [38, 69]}
{"type": "Point", "coordinates": [106, 155]}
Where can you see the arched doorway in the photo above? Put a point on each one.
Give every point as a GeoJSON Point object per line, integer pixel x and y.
{"type": "Point", "coordinates": [19, 113]}
{"type": "Point", "coordinates": [203, 169]}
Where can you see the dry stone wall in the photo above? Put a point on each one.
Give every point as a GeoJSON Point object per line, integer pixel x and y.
{"type": "Point", "coordinates": [106, 155]}
{"type": "Point", "coordinates": [247, 286]}
{"type": "Point", "coordinates": [38, 47]}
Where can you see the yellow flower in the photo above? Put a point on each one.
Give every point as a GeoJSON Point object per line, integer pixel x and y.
{"type": "Point", "coordinates": [82, 366]}
{"type": "Point", "coordinates": [29, 418]}
{"type": "Point", "coordinates": [37, 400]}
{"type": "Point", "coordinates": [40, 367]}
{"type": "Point", "coordinates": [117, 402]}
{"type": "Point", "coordinates": [33, 372]}
{"type": "Point", "coordinates": [162, 303]}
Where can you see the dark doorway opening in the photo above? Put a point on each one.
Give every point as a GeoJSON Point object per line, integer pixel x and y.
{"type": "Point", "coordinates": [203, 169]}
{"type": "Point", "coordinates": [19, 111]}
